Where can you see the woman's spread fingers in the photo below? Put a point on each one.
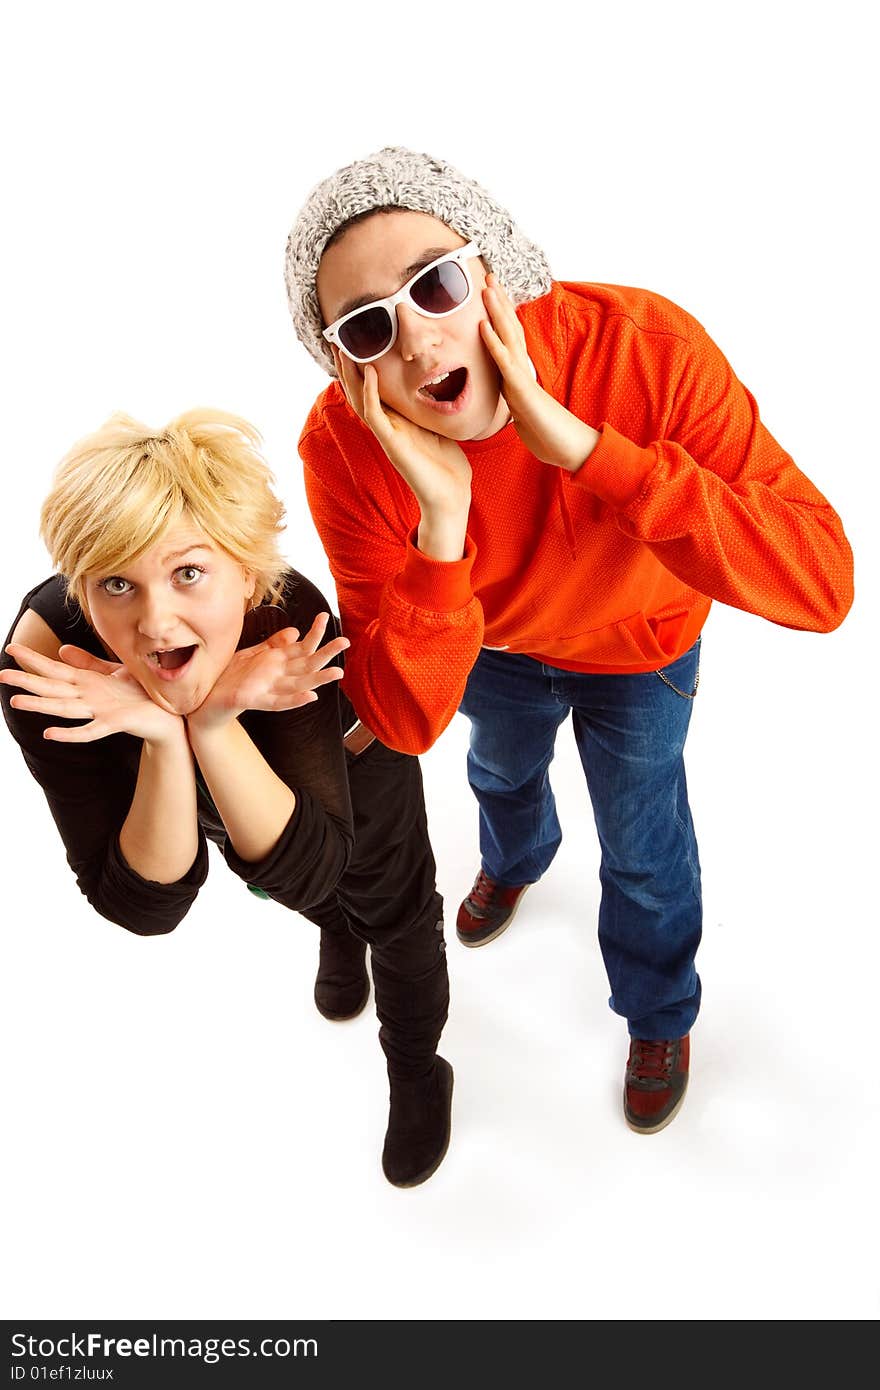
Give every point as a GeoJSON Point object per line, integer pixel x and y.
{"type": "Point", "coordinates": [311, 643]}
{"type": "Point", "coordinates": [10, 677]}
{"type": "Point", "coordinates": [59, 708]}
{"type": "Point", "coordinates": [312, 639]}
{"type": "Point", "coordinates": [85, 661]}
{"type": "Point", "coordinates": [80, 733]}
{"type": "Point", "coordinates": [29, 660]}
{"type": "Point", "coordinates": [304, 665]}
{"type": "Point", "coordinates": [339, 644]}
{"type": "Point", "coordinates": [284, 637]}
{"type": "Point", "coordinates": [311, 680]}
{"type": "Point", "coordinates": [54, 684]}
{"type": "Point", "coordinates": [37, 685]}
{"type": "Point", "coordinates": [314, 661]}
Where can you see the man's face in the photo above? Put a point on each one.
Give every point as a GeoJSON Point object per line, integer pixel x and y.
{"type": "Point", "coordinates": [373, 259]}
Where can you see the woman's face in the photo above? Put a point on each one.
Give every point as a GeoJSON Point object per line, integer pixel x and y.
{"type": "Point", "coordinates": [372, 260]}
{"type": "Point", "coordinates": [173, 617]}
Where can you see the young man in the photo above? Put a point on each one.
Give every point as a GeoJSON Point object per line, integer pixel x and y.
{"type": "Point", "coordinates": [529, 493]}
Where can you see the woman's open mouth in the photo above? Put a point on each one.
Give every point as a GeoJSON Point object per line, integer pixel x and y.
{"type": "Point", "coordinates": [447, 392]}
{"type": "Point", "coordinates": [171, 663]}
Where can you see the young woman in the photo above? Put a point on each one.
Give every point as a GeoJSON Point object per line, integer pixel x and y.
{"type": "Point", "coordinates": [174, 682]}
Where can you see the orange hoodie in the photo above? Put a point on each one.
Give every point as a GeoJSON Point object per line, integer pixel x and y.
{"type": "Point", "coordinates": [686, 498]}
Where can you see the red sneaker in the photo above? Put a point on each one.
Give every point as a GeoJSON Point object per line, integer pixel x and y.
{"type": "Point", "coordinates": [487, 911]}
{"type": "Point", "coordinates": [656, 1080]}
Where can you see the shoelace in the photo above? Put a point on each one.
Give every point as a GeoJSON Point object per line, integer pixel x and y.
{"type": "Point", "coordinates": [651, 1061]}
{"type": "Point", "coordinates": [483, 891]}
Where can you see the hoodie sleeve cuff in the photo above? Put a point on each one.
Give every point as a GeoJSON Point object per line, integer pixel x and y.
{"type": "Point", "coordinates": [440, 586]}
{"type": "Point", "coordinates": [617, 470]}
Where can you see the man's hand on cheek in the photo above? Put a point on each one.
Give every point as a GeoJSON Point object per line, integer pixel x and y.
{"type": "Point", "coordinates": [351, 379]}
{"type": "Point", "coordinates": [547, 429]}
{"type": "Point", "coordinates": [435, 468]}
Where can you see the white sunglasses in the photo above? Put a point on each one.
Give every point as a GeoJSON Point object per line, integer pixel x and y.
{"type": "Point", "coordinates": [435, 291]}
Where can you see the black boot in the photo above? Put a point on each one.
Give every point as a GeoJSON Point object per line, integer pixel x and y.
{"type": "Point", "coordinates": [419, 1125]}
{"type": "Point", "coordinates": [342, 985]}
{"type": "Point", "coordinates": [412, 999]}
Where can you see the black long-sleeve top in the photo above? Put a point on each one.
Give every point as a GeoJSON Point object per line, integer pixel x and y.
{"type": "Point", "coordinates": [90, 786]}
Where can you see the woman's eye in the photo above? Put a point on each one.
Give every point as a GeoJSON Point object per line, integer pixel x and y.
{"type": "Point", "coordinates": [115, 585]}
{"type": "Point", "coordinates": [188, 574]}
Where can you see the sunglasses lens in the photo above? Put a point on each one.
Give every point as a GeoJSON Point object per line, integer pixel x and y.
{"type": "Point", "coordinates": [441, 288]}
{"type": "Point", "coordinates": [367, 334]}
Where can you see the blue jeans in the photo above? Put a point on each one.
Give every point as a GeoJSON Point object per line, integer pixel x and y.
{"type": "Point", "coordinates": [630, 732]}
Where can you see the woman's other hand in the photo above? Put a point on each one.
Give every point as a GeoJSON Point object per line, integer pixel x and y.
{"type": "Point", "coordinates": [281, 673]}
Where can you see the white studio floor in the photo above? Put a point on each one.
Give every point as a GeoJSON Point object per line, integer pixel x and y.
{"type": "Point", "coordinates": [188, 1138]}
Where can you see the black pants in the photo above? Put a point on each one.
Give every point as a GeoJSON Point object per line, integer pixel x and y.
{"type": "Point", "coordinates": [388, 897]}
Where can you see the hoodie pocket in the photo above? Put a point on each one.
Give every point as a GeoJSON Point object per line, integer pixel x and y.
{"type": "Point", "coordinates": [658, 639]}
{"type": "Point", "coordinates": [634, 642]}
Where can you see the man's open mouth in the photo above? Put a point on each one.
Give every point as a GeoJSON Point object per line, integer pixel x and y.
{"type": "Point", "coordinates": [172, 658]}
{"type": "Point", "coordinates": [446, 387]}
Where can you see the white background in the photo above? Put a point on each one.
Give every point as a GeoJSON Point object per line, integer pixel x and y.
{"type": "Point", "coordinates": [186, 1137]}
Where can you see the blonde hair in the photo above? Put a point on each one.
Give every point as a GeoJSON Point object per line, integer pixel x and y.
{"type": "Point", "coordinates": [118, 490]}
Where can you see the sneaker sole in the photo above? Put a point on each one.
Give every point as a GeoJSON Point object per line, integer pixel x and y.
{"type": "Point", "coordinates": [655, 1129]}
{"type": "Point", "coordinates": [464, 937]}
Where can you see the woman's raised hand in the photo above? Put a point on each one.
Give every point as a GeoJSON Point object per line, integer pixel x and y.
{"type": "Point", "coordinates": [81, 686]}
{"type": "Point", "coordinates": [281, 673]}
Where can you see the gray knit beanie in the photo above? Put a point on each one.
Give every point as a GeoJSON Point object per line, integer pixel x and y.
{"type": "Point", "coordinates": [401, 178]}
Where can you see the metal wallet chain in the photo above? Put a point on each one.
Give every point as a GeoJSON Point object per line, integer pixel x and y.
{"type": "Point", "coordinates": [683, 693]}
